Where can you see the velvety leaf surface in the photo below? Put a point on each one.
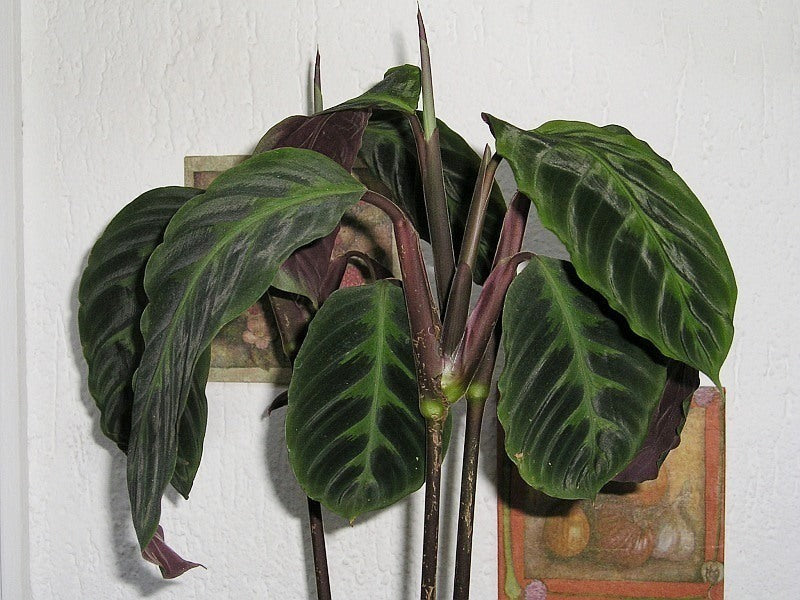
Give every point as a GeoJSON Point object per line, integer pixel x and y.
{"type": "Point", "coordinates": [388, 164]}
{"type": "Point", "coordinates": [578, 389]}
{"type": "Point", "coordinates": [219, 255]}
{"type": "Point", "coordinates": [634, 230]}
{"type": "Point", "coordinates": [338, 136]}
{"type": "Point", "coordinates": [112, 298]}
{"type": "Point", "coordinates": [398, 91]}
{"type": "Point", "coordinates": [664, 433]}
{"type": "Point", "coordinates": [355, 434]}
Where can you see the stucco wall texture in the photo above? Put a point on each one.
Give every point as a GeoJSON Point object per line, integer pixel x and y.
{"type": "Point", "coordinates": [116, 93]}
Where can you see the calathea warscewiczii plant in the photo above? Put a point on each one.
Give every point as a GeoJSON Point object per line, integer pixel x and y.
{"type": "Point", "coordinates": [601, 351]}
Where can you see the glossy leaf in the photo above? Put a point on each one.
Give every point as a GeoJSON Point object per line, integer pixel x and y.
{"type": "Point", "coordinates": [634, 231]}
{"type": "Point", "coordinates": [398, 91]}
{"type": "Point", "coordinates": [388, 165]}
{"type": "Point", "coordinates": [219, 255]}
{"type": "Point", "coordinates": [664, 433]}
{"type": "Point", "coordinates": [112, 298]}
{"type": "Point", "coordinates": [578, 389]}
{"type": "Point", "coordinates": [355, 434]}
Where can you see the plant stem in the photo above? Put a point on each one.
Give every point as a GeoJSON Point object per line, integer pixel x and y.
{"type": "Point", "coordinates": [318, 550]}
{"type": "Point", "coordinates": [466, 508]}
{"type": "Point", "coordinates": [433, 478]}
{"type": "Point", "coordinates": [422, 316]}
{"type": "Point", "coordinates": [458, 300]}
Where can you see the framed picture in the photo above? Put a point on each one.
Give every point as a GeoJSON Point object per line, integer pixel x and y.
{"type": "Point", "coordinates": [248, 349]}
{"type": "Point", "coordinates": [658, 539]}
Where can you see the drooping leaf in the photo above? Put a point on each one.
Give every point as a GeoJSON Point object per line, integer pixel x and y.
{"type": "Point", "coordinates": [338, 136]}
{"type": "Point", "coordinates": [192, 428]}
{"type": "Point", "coordinates": [398, 91]}
{"type": "Point", "coordinates": [112, 298]}
{"type": "Point", "coordinates": [355, 435]}
{"type": "Point", "coordinates": [634, 230]}
{"type": "Point", "coordinates": [219, 255]}
{"type": "Point", "coordinates": [170, 563]}
{"type": "Point", "coordinates": [664, 433]}
{"type": "Point", "coordinates": [388, 165]}
{"type": "Point", "coordinates": [578, 389]}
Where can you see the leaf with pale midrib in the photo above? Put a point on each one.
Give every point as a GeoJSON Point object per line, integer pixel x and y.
{"type": "Point", "coordinates": [355, 434]}
{"type": "Point", "coordinates": [219, 255]}
{"type": "Point", "coordinates": [634, 230]}
{"type": "Point", "coordinates": [578, 389]}
{"type": "Point", "coordinates": [112, 298]}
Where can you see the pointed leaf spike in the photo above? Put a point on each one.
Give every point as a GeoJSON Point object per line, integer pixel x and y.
{"type": "Point", "coordinates": [428, 110]}
{"type": "Point", "coordinates": [317, 86]}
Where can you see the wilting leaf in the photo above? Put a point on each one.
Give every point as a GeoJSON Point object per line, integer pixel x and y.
{"type": "Point", "coordinates": [388, 165]}
{"type": "Point", "coordinates": [169, 561]}
{"type": "Point", "coordinates": [355, 434]}
{"type": "Point", "coordinates": [664, 433]}
{"type": "Point", "coordinates": [398, 91]}
{"type": "Point", "coordinates": [578, 389]}
{"type": "Point", "coordinates": [634, 230]}
{"type": "Point", "coordinates": [112, 299]}
{"type": "Point", "coordinates": [219, 255]}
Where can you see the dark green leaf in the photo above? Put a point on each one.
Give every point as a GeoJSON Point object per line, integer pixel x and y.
{"type": "Point", "coordinates": [398, 91]}
{"type": "Point", "coordinates": [112, 299]}
{"type": "Point", "coordinates": [578, 389]}
{"type": "Point", "coordinates": [338, 136]}
{"type": "Point", "coordinates": [355, 434]}
{"type": "Point", "coordinates": [219, 255]}
{"type": "Point", "coordinates": [388, 165]}
{"type": "Point", "coordinates": [634, 231]}
{"type": "Point", "coordinates": [192, 429]}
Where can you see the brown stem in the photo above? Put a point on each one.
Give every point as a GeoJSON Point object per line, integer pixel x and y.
{"type": "Point", "coordinates": [477, 393]}
{"type": "Point", "coordinates": [458, 300]}
{"type": "Point", "coordinates": [318, 550]}
{"type": "Point", "coordinates": [422, 316]}
{"type": "Point", "coordinates": [466, 509]}
{"type": "Point", "coordinates": [430, 542]}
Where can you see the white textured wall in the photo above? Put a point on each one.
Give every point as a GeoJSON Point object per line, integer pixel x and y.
{"type": "Point", "coordinates": [115, 93]}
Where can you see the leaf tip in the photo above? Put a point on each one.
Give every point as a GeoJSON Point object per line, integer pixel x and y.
{"type": "Point", "coordinates": [170, 563]}
{"type": "Point", "coordinates": [421, 25]}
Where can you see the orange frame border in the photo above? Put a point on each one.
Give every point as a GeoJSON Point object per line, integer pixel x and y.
{"type": "Point", "coordinates": [712, 402]}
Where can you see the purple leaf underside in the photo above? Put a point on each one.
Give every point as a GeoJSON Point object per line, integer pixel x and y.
{"type": "Point", "coordinates": [165, 558]}
{"type": "Point", "coordinates": [663, 435]}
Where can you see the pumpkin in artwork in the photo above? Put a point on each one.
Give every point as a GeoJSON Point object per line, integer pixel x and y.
{"type": "Point", "coordinates": [567, 535]}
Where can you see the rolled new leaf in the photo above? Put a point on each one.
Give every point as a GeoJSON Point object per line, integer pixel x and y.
{"type": "Point", "coordinates": [112, 298]}
{"type": "Point", "coordinates": [635, 232]}
{"type": "Point", "coordinates": [219, 255]}
{"type": "Point", "coordinates": [578, 389]}
{"type": "Point", "coordinates": [388, 164]}
{"type": "Point", "coordinates": [355, 434]}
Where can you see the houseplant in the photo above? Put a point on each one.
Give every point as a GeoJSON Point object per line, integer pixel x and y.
{"type": "Point", "coordinates": [601, 352]}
